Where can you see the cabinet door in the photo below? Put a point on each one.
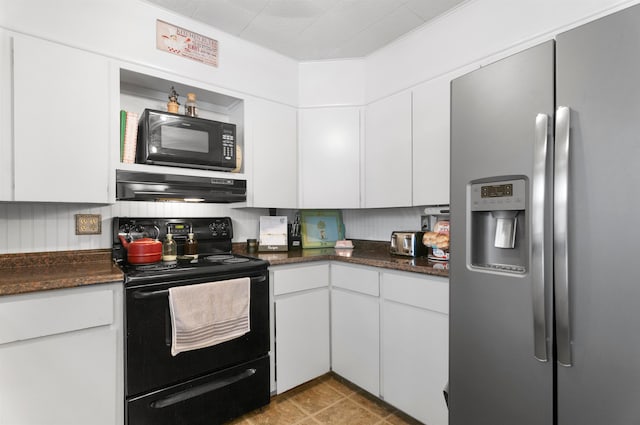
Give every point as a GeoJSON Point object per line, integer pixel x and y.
{"type": "Point", "coordinates": [61, 123]}
{"type": "Point", "coordinates": [302, 337]}
{"type": "Point", "coordinates": [273, 132]}
{"type": "Point", "coordinates": [415, 334]}
{"type": "Point", "coordinates": [6, 148]}
{"type": "Point", "coordinates": [61, 357]}
{"type": "Point", "coordinates": [415, 368]}
{"type": "Point", "coordinates": [355, 338]}
{"type": "Point", "coordinates": [431, 143]}
{"type": "Point", "coordinates": [60, 380]}
{"type": "Point", "coordinates": [387, 159]}
{"type": "Point", "coordinates": [329, 157]}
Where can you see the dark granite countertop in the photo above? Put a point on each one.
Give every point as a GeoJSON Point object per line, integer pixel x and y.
{"type": "Point", "coordinates": [40, 271]}
{"type": "Point", "coordinates": [366, 253]}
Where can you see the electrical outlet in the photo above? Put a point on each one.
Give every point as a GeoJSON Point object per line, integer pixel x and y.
{"type": "Point", "coordinates": [88, 224]}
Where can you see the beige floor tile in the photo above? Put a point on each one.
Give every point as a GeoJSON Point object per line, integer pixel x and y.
{"type": "Point", "coordinates": [278, 412]}
{"type": "Point", "coordinates": [373, 404]}
{"type": "Point", "coordinates": [309, 421]}
{"type": "Point", "coordinates": [399, 418]}
{"type": "Point", "coordinates": [328, 400]}
{"type": "Point", "coordinates": [346, 412]}
{"type": "Point", "coordinates": [315, 398]}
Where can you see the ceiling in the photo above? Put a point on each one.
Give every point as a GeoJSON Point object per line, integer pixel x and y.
{"type": "Point", "coordinates": [314, 29]}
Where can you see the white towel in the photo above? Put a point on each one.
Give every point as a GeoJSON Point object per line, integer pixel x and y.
{"type": "Point", "coordinates": [206, 314]}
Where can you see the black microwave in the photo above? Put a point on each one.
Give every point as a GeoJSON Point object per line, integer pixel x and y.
{"type": "Point", "coordinates": [183, 141]}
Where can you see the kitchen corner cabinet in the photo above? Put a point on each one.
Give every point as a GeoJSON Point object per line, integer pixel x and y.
{"type": "Point", "coordinates": [61, 123]}
{"type": "Point", "coordinates": [355, 325]}
{"type": "Point", "coordinates": [301, 295]}
{"type": "Point", "coordinates": [415, 329]}
{"type": "Point", "coordinates": [272, 129]}
{"type": "Point", "coordinates": [61, 357]}
{"type": "Point", "coordinates": [387, 152]}
{"type": "Point", "coordinates": [431, 142]}
{"type": "Point", "coordinates": [329, 141]}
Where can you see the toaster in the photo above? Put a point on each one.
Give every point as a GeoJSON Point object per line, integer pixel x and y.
{"type": "Point", "coordinates": [407, 243]}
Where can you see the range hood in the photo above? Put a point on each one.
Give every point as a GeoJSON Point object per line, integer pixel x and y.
{"type": "Point", "coordinates": [142, 186]}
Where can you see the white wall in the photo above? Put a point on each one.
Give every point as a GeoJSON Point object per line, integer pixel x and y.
{"type": "Point", "coordinates": [126, 29]}
{"type": "Point", "coordinates": [477, 32]}
{"type": "Point", "coordinates": [332, 83]}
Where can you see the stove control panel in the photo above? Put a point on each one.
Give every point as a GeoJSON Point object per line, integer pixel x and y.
{"type": "Point", "coordinates": [221, 228]}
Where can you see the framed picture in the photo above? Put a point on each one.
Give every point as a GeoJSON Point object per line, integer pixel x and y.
{"type": "Point", "coordinates": [321, 228]}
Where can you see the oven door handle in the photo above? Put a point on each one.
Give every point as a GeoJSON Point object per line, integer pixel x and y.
{"type": "Point", "coordinates": [145, 295]}
{"type": "Point", "coordinates": [200, 390]}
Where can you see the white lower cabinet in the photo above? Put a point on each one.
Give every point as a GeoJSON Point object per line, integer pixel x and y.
{"type": "Point", "coordinates": [415, 340]}
{"type": "Point", "coordinates": [301, 295]}
{"type": "Point", "coordinates": [389, 332]}
{"type": "Point", "coordinates": [355, 325]}
{"type": "Point", "coordinates": [61, 357]}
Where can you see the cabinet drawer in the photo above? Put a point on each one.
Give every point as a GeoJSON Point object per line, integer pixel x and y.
{"type": "Point", "coordinates": [427, 292]}
{"type": "Point", "coordinates": [355, 279]}
{"type": "Point", "coordinates": [53, 312]}
{"type": "Point", "coordinates": [301, 278]}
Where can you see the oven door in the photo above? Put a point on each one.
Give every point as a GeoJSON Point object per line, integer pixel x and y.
{"type": "Point", "coordinates": [208, 400]}
{"type": "Point", "coordinates": [149, 364]}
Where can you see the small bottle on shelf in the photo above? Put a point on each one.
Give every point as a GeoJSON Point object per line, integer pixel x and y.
{"type": "Point", "coordinates": [190, 107]}
{"type": "Point", "coordinates": [169, 249]}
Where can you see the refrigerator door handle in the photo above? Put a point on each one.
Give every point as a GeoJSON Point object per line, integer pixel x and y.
{"type": "Point", "coordinates": [538, 207]}
{"type": "Point", "coordinates": [560, 243]}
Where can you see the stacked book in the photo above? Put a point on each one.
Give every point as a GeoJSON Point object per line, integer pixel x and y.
{"type": "Point", "coordinates": [128, 136]}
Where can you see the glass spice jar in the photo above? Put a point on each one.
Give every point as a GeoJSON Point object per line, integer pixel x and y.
{"type": "Point", "coordinates": [191, 245]}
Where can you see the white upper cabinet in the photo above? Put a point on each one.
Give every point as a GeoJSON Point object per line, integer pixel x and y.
{"type": "Point", "coordinates": [61, 123]}
{"type": "Point", "coordinates": [387, 158]}
{"type": "Point", "coordinates": [6, 148]}
{"type": "Point", "coordinates": [431, 143]}
{"type": "Point", "coordinates": [329, 140]}
{"type": "Point", "coordinates": [272, 130]}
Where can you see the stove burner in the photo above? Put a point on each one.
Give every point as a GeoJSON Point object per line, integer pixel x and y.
{"type": "Point", "coordinates": [219, 257]}
{"type": "Point", "coordinates": [226, 258]}
{"type": "Point", "coordinates": [237, 260]}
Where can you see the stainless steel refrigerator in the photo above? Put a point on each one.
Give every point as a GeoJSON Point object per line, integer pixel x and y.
{"type": "Point", "coordinates": [545, 248]}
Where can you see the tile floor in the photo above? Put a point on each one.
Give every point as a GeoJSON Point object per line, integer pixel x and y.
{"type": "Point", "coordinates": [327, 400]}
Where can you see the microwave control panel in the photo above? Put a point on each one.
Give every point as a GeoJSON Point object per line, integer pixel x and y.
{"type": "Point", "coordinates": [228, 144]}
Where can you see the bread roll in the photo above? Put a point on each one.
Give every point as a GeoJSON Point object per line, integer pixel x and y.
{"type": "Point", "coordinates": [436, 240]}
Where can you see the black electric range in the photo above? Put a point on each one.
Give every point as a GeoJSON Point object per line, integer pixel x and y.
{"type": "Point", "coordinates": [206, 386]}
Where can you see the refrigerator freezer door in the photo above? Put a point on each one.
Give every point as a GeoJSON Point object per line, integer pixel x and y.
{"type": "Point", "coordinates": [495, 377]}
{"type": "Point", "coordinates": [598, 76]}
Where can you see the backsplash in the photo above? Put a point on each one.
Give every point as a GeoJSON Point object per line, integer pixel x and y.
{"type": "Point", "coordinates": [377, 224]}
{"type": "Point", "coordinates": [37, 227]}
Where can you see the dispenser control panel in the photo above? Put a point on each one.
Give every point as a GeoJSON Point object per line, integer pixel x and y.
{"type": "Point", "coordinates": [493, 196]}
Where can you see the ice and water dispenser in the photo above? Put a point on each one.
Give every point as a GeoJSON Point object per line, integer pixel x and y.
{"type": "Point", "coordinates": [498, 227]}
